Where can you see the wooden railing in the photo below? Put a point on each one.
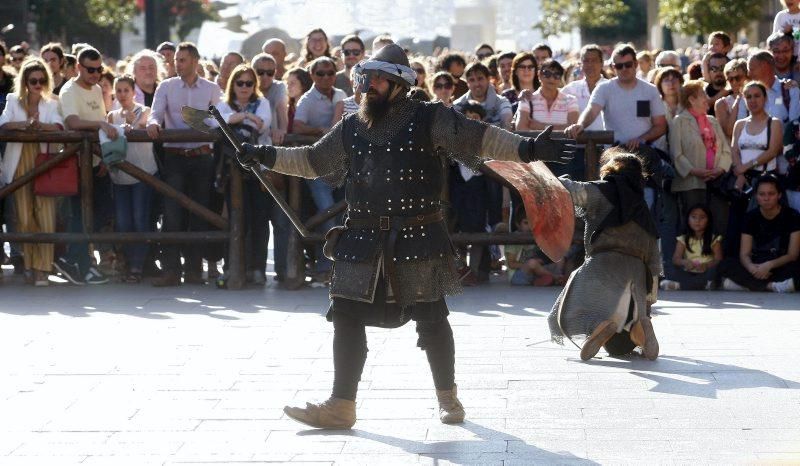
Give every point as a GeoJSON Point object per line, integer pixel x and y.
{"type": "Point", "coordinates": [79, 144]}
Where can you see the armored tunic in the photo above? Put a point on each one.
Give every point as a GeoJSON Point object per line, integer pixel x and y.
{"type": "Point", "coordinates": [612, 284]}
{"type": "Point", "coordinates": [393, 176]}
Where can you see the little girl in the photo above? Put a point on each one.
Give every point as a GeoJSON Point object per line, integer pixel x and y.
{"type": "Point", "coordinates": [527, 264]}
{"type": "Point", "coordinates": [697, 253]}
{"type": "Point", "coordinates": [132, 198]}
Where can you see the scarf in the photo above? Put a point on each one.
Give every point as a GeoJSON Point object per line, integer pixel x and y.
{"type": "Point", "coordinates": [709, 138]}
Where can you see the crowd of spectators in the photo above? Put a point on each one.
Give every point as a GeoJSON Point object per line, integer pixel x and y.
{"type": "Point", "coordinates": [716, 127]}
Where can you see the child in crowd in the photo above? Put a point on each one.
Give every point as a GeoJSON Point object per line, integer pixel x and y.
{"type": "Point", "coordinates": [474, 111]}
{"type": "Point", "coordinates": [697, 253]}
{"type": "Point", "coordinates": [132, 198]}
{"type": "Point", "coordinates": [786, 21]}
{"type": "Point", "coordinates": [527, 264]}
{"type": "Point", "coordinates": [469, 196]}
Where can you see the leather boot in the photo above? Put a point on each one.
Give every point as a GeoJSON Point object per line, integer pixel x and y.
{"type": "Point", "coordinates": [334, 413]}
{"type": "Point", "coordinates": [451, 411]}
{"type": "Point", "coordinates": [650, 347]}
{"type": "Point", "coordinates": [597, 339]}
{"type": "Point", "coordinates": [637, 334]}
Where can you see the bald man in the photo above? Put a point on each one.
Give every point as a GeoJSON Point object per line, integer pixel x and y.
{"type": "Point", "coordinates": [276, 48]}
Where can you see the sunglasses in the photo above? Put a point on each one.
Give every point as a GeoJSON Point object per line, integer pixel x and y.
{"type": "Point", "coordinates": [265, 72]}
{"type": "Point", "coordinates": [92, 69]}
{"type": "Point", "coordinates": [322, 74]}
{"type": "Point", "coordinates": [716, 69]}
{"type": "Point", "coordinates": [551, 74]}
{"type": "Point", "coordinates": [34, 81]}
{"type": "Point", "coordinates": [443, 86]}
{"type": "Point", "coordinates": [241, 83]}
{"type": "Point", "coordinates": [627, 64]}
{"type": "Point", "coordinates": [526, 67]}
{"type": "Point", "coordinates": [351, 52]}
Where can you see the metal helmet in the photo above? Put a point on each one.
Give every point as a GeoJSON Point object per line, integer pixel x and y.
{"type": "Point", "coordinates": [390, 61]}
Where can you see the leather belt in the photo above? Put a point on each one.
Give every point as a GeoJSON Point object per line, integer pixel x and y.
{"type": "Point", "coordinates": [386, 223]}
{"type": "Point", "coordinates": [390, 227]}
{"type": "Point", "coordinates": [193, 152]}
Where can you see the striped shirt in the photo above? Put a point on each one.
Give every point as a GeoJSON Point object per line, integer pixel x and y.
{"type": "Point", "coordinates": [556, 115]}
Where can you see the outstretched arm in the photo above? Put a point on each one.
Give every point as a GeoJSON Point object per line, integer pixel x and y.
{"type": "Point", "coordinates": [472, 141]}
{"type": "Point", "coordinates": [325, 158]}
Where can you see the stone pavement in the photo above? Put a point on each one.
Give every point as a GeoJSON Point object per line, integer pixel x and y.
{"type": "Point", "coordinates": [130, 374]}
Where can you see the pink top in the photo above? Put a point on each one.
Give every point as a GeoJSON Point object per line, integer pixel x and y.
{"type": "Point", "coordinates": [555, 115]}
{"type": "Point", "coordinates": [709, 138]}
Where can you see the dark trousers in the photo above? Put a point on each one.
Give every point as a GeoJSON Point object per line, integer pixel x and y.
{"type": "Point", "coordinates": [732, 268]}
{"type": "Point", "coordinates": [192, 176]}
{"type": "Point", "coordinates": [257, 208]}
{"type": "Point", "coordinates": [350, 353]}
{"type": "Point", "coordinates": [103, 206]}
{"type": "Point", "coordinates": [132, 203]}
{"type": "Point", "coordinates": [692, 280]}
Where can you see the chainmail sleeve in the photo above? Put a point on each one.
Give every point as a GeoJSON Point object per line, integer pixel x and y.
{"type": "Point", "coordinates": [325, 159]}
{"type": "Point", "coordinates": [470, 142]}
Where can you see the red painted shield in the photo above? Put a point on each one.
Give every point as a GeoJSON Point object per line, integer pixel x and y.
{"type": "Point", "coordinates": [548, 204]}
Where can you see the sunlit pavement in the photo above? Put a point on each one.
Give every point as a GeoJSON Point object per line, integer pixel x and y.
{"type": "Point", "coordinates": [130, 374]}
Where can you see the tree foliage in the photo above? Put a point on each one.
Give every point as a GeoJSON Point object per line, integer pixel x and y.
{"type": "Point", "coordinates": [63, 20]}
{"type": "Point", "coordinates": [700, 17]}
{"type": "Point", "coordinates": [111, 14]}
{"type": "Point", "coordinates": [563, 16]}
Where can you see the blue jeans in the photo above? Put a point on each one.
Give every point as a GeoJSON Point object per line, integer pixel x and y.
{"type": "Point", "coordinates": [522, 277]}
{"type": "Point", "coordinates": [132, 207]}
{"type": "Point", "coordinates": [322, 194]}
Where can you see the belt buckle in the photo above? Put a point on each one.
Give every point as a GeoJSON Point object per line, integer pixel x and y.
{"type": "Point", "coordinates": [384, 223]}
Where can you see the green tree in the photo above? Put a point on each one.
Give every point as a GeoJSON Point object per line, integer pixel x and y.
{"type": "Point", "coordinates": [563, 16]}
{"type": "Point", "coordinates": [700, 17]}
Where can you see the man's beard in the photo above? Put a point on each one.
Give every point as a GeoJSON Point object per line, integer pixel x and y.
{"type": "Point", "coordinates": [372, 110]}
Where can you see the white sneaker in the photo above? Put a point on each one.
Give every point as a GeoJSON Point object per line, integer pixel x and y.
{"type": "Point", "coordinates": [786, 286]}
{"type": "Point", "coordinates": [730, 285]}
{"type": "Point", "coordinates": [669, 285]}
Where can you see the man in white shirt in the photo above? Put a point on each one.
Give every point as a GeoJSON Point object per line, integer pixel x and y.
{"type": "Point", "coordinates": [592, 67]}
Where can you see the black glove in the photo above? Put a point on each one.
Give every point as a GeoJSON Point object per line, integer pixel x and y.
{"type": "Point", "coordinates": [251, 156]}
{"type": "Point", "coordinates": [546, 149]}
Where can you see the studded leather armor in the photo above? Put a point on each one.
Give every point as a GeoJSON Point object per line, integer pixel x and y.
{"type": "Point", "coordinates": [393, 175]}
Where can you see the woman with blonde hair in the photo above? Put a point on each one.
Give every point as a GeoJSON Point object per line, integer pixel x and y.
{"type": "Point", "coordinates": [701, 154]}
{"type": "Point", "coordinates": [31, 108]}
{"type": "Point", "coordinates": [732, 107]}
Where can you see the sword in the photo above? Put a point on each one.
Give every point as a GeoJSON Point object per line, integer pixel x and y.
{"type": "Point", "coordinates": [195, 118]}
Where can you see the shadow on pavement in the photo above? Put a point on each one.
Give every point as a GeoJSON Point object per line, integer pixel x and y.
{"type": "Point", "coordinates": [515, 447]}
{"type": "Point", "coordinates": [670, 374]}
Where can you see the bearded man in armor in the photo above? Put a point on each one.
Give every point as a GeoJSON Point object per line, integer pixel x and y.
{"type": "Point", "coordinates": [393, 259]}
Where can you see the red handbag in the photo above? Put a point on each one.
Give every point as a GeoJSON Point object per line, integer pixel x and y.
{"type": "Point", "coordinates": [60, 180]}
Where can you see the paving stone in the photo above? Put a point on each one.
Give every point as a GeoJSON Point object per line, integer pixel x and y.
{"type": "Point", "coordinates": [195, 375]}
